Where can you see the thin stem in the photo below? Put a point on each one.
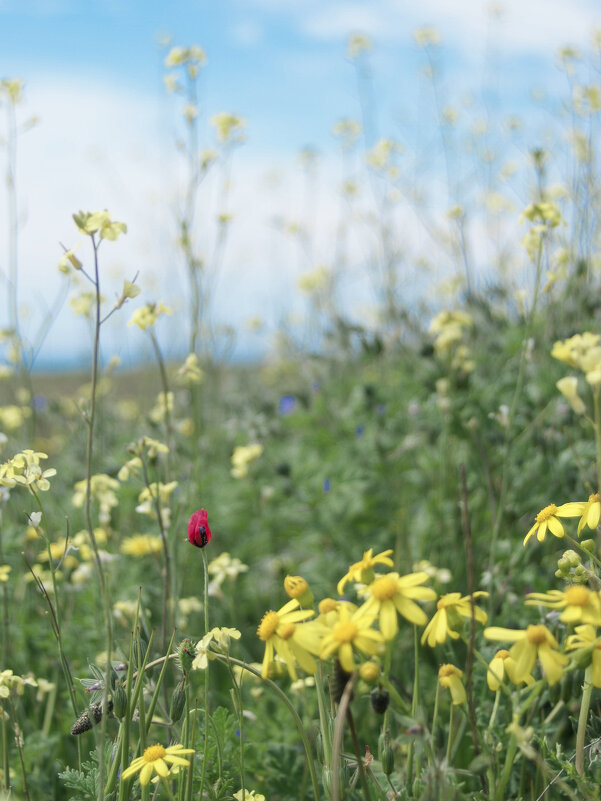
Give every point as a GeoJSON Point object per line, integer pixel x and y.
{"type": "Point", "coordinates": [450, 738]}
{"type": "Point", "coordinates": [583, 718]}
{"type": "Point", "coordinates": [597, 407]}
{"type": "Point", "coordinates": [507, 449]}
{"type": "Point", "coordinates": [205, 571]}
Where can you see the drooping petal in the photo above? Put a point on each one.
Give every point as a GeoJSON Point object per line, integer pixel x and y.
{"type": "Point", "coordinates": [552, 662]}
{"type": "Point", "coordinates": [388, 620]}
{"type": "Point", "coordinates": [410, 610]}
{"type": "Point", "coordinates": [524, 653]}
{"type": "Point", "coordinates": [345, 657]}
{"type": "Point", "coordinates": [556, 527]}
{"type": "Point", "coordinates": [145, 774]}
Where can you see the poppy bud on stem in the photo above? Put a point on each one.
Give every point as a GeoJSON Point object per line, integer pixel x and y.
{"type": "Point", "coordinates": [199, 533]}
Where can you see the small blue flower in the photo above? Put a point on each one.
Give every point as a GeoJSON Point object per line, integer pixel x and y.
{"type": "Point", "coordinates": [286, 404]}
{"type": "Point", "coordinates": [359, 431]}
{"type": "Point", "coordinates": [326, 485]}
{"type": "Point", "coordinates": [39, 402]}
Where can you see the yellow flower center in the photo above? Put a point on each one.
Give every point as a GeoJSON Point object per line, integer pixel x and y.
{"type": "Point", "coordinates": [153, 753]}
{"type": "Point", "coordinates": [268, 625]}
{"type": "Point", "coordinates": [384, 588]}
{"type": "Point", "coordinates": [345, 631]}
{"type": "Point", "coordinates": [286, 631]}
{"type": "Point", "coordinates": [577, 595]}
{"type": "Point", "coordinates": [502, 654]}
{"type": "Point", "coordinates": [594, 498]}
{"type": "Point", "coordinates": [546, 513]}
{"type": "Point", "coordinates": [537, 635]}
{"type": "Point", "coordinates": [447, 600]}
{"type": "Point", "coordinates": [446, 670]}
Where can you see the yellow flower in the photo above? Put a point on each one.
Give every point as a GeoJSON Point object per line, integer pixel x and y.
{"type": "Point", "coordinates": [297, 587]}
{"type": "Point", "coordinates": [447, 619]}
{"type": "Point", "coordinates": [586, 639]}
{"type": "Point", "coordinates": [292, 643]}
{"type": "Point", "coordinates": [242, 456]}
{"type": "Point", "coordinates": [503, 664]}
{"type": "Point", "coordinates": [4, 571]}
{"type": "Point", "coordinates": [191, 371]}
{"type": "Point", "coordinates": [591, 513]}
{"type": "Point", "coordinates": [363, 571]}
{"type": "Point", "coordinates": [548, 519]}
{"type": "Point", "coordinates": [579, 604]}
{"type": "Point", "coordinates": [249, 795]}
{"type": "Point", "coordinates": [392, 593]}
{"type": "Point", "coordinates": [24, 469]}
{"type": "Point", "coordinates": [535, 642]}
{"type": "Point", "coordinates": [154, 760]}
{"type": "Point", "coordinates": [141, 545]}
{"type": "Point", "coordinates": [351, 629]}
{"type": "Point", "coordinates": [449, 677]}
{"type": "Point", "coordinates": [146, 316]}
{"type": "Point", "coordinates": [92, 222]}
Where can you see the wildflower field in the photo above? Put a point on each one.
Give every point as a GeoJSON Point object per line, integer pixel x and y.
{"type": "Point", "coordinates": [365, 567]}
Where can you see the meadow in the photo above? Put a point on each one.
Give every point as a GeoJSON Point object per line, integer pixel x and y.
{"type": "Point", "coordinates": [366, 567]}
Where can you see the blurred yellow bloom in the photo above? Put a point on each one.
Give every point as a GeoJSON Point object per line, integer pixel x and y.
{"type": "Point", "coordinates": [579, 604]}
{"type": "Point", "coordinates": [242, 456]}
{"type": "Point", "coordinates": [146, 316]}
{"type": "Point", "coordinates": [535, 642]}
{"type": "Point", "coordinates": [568, 387]}
{"type": "Point", "coordinates": [503, 664]}
{"type": "Point", "coordinates": [363, 571]}
{"type": "Point", "coordinates": [191, 371]}
{"type": "Point", "coordinates": [141, 545]}
{"type": "Point", "coordinates": [447, 621]}
{"type": "Point", "coordinates": [229, 127]}
{"type": "Point", "coordinates": [449, 677]}
{"type": "Point", "coordinates": [4, 571]}
{"type": "Point", "coordinates": [586, 639]}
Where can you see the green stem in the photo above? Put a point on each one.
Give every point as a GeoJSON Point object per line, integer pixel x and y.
{"type": "Point", "coordinates": [506, 774]}
{"type": "Point", "coordinates": [295, 716]}
{"type": "Point", "coordinates": [583, 718]}
{"type": "Point", "coordinates": [507, 447]}
{"type": "Point", "coordinates": [450, 739]}
{"type": "Point", "coordinates": [597, 408]}
{"type": "Point", "coordinates": [205, 571]}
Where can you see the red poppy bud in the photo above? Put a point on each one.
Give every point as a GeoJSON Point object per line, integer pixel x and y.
{"type": "Point", "coordinates": [199, 532]}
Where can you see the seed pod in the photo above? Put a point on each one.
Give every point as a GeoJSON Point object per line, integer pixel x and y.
{"type": "Point", "coordinates": [380, 699]}
{"type": "Point", "coordinates": [385, 753]}
{"type": "Point", "coordinates": [119, 701]}
{"type": "Point", "coordinates": [178, 702]}
{"type": "Point", "coordinates": [90, 717]}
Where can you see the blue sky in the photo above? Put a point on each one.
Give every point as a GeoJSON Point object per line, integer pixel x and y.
{"type": "Point", "coordinates": [106, 130]}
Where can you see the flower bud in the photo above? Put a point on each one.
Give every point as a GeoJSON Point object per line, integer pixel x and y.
{"type": "Point", "coordinates": [186, 652]}
{"type": "Point", "coordinates": [588, 545]}
{"type": "Point", "coordinates": [199, 532]}
{"type": "Point", "coordinates": [385, 753]}
{"type": "Point", "coordinates": [297, 587]}
{"type": "Point", "coordinates": [178, 702]}
{"type": "Point", "coordinates": [119, 701]}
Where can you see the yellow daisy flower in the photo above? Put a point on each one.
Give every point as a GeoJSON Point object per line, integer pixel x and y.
{"type": "Point", "coordinates": [535, 642]}
{"type": "Point", "coordinates": [591, 513]}
{"type": "Point", "coordinates": [579, 604]}
{"type": "Point", "coordinates": [447, 619]}
{"type": "Point", "coordinates": [548, 519]}
{"type": "Point", "coordinates": [290, 642]}
{"type": "Point", "coordinates": [363, 571]}
{"type": "Point", "coordinates": [392, 593]}
{"type": "Point", "coordinates": [586, 639]}
{"type": "Point", "coordinates": [154, 760]}
{"type": "Point", "coordinates": [449, 677]}
{"type": "Point", "coordinates": [503, 664]}
{"type": "Point", "coordinates": [351, 629]}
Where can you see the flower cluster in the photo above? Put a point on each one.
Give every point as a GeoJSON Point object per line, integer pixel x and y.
{"type": "Point", "coordinates": [24, 469]}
